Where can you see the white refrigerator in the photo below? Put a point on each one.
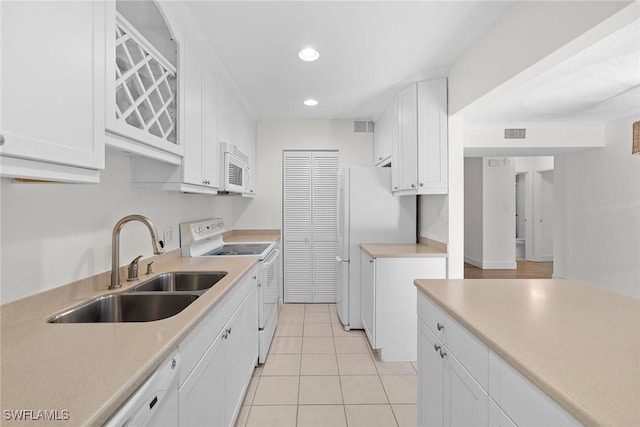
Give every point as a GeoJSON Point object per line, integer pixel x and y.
{"type": "Point", "coordinates": [367, 213]}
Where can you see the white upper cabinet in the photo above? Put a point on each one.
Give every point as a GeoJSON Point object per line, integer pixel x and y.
{"type": "Point", "coordinates": [200, 165]}
{"type": "Point", "coordinates": [432, 137]}
{"type": "Point", "coordinates": [193, 113]}
{"type": "Point", "coordinates": [142, 79]}
{"type": "Point", "coordinates": [237, 128]}
{"type": "Point", "coordinates": [386, 134]}
{"type": "Point", "coordinates": [211, 156]}
{"type": "Point", "coordinates": [52, 85]}
{"type": "Point", "coordinates": [420, 155]}
{"type": "Point", "coordinates": [405, 165]}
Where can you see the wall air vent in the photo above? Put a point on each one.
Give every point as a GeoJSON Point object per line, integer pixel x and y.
{"type": "Point", "coordinates": [515, 134]}
{"type": "Point", "coordinates": [361, 126]}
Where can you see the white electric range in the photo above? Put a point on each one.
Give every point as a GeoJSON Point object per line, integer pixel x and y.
{"type": "Point", "coordinates": [205, 238]}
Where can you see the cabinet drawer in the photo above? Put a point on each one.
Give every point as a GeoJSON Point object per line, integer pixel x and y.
{"type": "Point", "coordinates": [522, 401]}
{"type": "Point", "coordinates": [468, 349]}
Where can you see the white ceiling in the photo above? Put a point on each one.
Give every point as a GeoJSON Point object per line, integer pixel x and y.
{"type": "Point", "coordinates": [367, 49]}
{"type": "Point", "coordinates": [597, 85]}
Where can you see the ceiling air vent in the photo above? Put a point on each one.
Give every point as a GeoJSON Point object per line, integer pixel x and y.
{"type": "Point", "coordinates": [515, 134]}
{"type": "Point", "coordinates": [361, 126]}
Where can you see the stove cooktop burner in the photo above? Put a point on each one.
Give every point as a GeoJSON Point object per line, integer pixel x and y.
{"type": "Point", "coordinates": [239, 249]}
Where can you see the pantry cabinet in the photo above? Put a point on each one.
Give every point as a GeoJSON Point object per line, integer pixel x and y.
{"type": "Point", "coordinates": [387, 295]}
{"type": "Point", "coordinates": [420, 155]}
{"type": "Point", "coordinates": [385, 136]}
{"type": "Point", "coordinates": [52, 80]}
{"type": "Point", "coordinates": [219, 357]}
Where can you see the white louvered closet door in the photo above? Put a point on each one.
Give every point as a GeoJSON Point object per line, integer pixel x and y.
{"type": "Point", "coordinates": [310, 234]}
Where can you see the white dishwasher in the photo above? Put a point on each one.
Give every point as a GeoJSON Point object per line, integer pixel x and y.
{"type": "Point", "coordinates": [155, 403]}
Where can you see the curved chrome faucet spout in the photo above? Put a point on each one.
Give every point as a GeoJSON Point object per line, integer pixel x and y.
{"type": "Point", "coordinates": [158, 246]}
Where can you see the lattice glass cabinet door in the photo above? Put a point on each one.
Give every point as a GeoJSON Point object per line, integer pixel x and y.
{"type": "Point", "coordinates": [144, 108]}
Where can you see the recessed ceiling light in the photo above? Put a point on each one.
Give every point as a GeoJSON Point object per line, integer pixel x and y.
{"type": "Point", "coordinates": [308, 54]}
{"type": "Point", "coordinates": [310, 102]}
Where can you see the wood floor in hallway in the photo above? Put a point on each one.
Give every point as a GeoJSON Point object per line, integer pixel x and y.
{"type": "Point", "coordinates": [525, 270]}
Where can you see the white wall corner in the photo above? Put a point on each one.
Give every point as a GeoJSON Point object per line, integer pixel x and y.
{"type": "Point", "coordinates": [473, 261]}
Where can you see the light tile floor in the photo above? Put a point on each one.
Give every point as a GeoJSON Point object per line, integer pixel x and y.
{"type": "Point", "coordinates": [317, 374]}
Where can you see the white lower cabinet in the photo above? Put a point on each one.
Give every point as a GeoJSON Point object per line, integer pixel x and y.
{"type": "Point", "coordinates": [462, 383]}
{"type": "Point", "coordinates": [388, 300]}
{"type": "Point", "coordinates": [201, 397]}
{"type": "Point", "coordinates": [497, 417]}
{"type": "Point", "coordinates": [213, 383]}
{"type": "Point", "coordinates": [447, 393]}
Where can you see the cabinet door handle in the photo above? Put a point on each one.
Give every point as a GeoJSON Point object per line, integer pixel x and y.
{"type": "Point", "coordinates": [436, 347]}
{"type": "Point", "coordinates": [413, 186]}
{"type": "Point", "coordinates": [229, 331]}
{"type": "Point", "coordinates": [379, 158]}
{"type": "Point", "coordinates": [440, 326]}
{"type": "Point", "coordinates": [370, 261]}
{"type": "Point", "coordinates": [442, 353]}
{"type": "Point", "coordinates": [422, 184]}
{"type": "Point", "coordinates": [1, 139]}
{"type": "Point", "coordinates": [395, 188]}
{"type": "Point", "coordinates": [173, 363]}
{"type": "Point", "coordinates": [225, 335]}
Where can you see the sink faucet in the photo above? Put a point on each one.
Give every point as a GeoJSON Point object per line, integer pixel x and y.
{"type": "Point", "coordinates": [115, 245]}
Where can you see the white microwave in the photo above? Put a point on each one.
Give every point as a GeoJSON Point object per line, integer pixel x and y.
{"type": "Point", "coordinates": [236, 170]}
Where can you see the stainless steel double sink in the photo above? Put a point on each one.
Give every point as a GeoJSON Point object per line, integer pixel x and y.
{"type": "Point", "coordinates": [163, 296]}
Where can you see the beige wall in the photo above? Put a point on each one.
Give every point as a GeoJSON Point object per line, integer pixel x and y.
{"type": "Point", "coordinates": [274, 136]}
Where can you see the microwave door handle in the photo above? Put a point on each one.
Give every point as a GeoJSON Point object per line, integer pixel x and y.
{"type": "Point", "coordinates": [245, 178]}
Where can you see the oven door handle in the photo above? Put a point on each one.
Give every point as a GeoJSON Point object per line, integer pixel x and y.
{"type": "Point", "coordinates": [272, 258]}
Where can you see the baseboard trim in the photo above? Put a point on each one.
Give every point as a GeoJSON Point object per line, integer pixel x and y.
{"type": "Point", "coordinates": [473, 261]}
{"type": "Point", "coordinates": [491, 265]}
{"type": "Point", "coordinates": [557, 276]}
{"type": "Point", "coordinates": [545, 258]}
{"type": "Point", "coordinates": [499, 266]}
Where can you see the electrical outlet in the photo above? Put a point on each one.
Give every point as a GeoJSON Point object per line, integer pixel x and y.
{"type": "Point", "coordinates": [168, 235]}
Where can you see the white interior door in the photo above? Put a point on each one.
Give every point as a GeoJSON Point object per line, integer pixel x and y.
{"type": "Point", "coordinates": [310, 225]}
{"type": "Point", "coordinates": [324, 229]}
{"type": "Point", "coordinates": [543, 224]}
{"type": "Point", "coordinates": [297, 226]}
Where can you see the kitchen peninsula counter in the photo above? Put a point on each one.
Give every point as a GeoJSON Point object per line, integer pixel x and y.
{"type": "Point", "coordinates": [578, 343]}
{"type": "Point", "coordinates": [90, 369]}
